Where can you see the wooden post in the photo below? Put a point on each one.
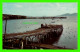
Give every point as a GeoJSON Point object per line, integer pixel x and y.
{"type": "Point", "coordinates": [38, 39]}
{"type": "Point", "coordinates": [46, 35]}
{"type": "Point", "coordinates": [30, 39]}
{"type": "Point", "coordinates": [21, 44]}
{"type": "Point", "coordinates": [26, 40]}
{"type": "Point", "coordinates": [32, 47]}
{"type": "Point", "coordinates": [35, 47]}
{"type": "Point", "coordinates": [5, 27]}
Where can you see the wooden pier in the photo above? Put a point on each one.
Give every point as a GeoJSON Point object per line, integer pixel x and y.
{"type": "Point", "coordinates": [35, 37]}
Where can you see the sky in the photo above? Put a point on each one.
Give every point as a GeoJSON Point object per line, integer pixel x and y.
{"type": "Point", "coordinates": [39, 9]}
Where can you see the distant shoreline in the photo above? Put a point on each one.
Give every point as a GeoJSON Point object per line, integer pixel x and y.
{"type": "Point", "coordinates": [9, 17]}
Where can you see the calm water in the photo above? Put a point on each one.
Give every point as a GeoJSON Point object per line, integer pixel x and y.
{"type": "Point", "coordinates": [68, 38]}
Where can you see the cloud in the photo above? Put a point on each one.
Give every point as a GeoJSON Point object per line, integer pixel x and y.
{"type": "Point", "coordinates": [63, 8]}
{"type": "Point", "coordinates": [17, 5]}
{"type": "Point", "coordinates": [58, 4]}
